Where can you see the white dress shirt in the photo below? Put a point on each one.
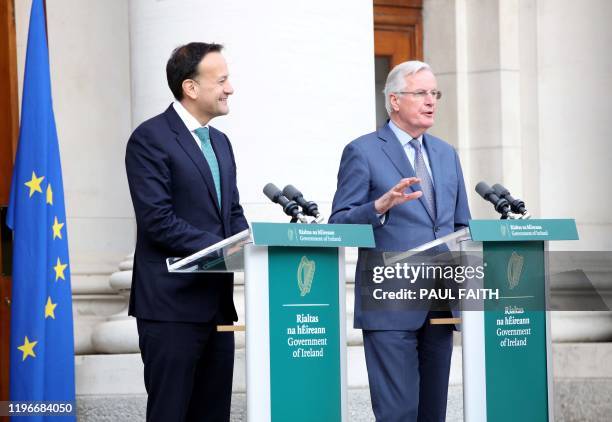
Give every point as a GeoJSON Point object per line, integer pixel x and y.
{"type": "Point", "coordinates": [190, 121]}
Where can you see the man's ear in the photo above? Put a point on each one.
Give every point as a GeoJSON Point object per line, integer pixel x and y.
{"type": "Point", "coordinates": [394, 101]}
{"type": "Point", "coordinates": [189, 89]}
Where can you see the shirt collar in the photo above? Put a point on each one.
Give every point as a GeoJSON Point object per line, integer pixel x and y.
{"type": "Point", "coordinates": [187, 118]}
{"type": "Point", "coordinates": [402, 136]}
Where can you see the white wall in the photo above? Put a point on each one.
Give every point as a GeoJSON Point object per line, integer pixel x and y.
{"type": "Point", "coordinates": [303, 74]}
{"type": "Point", "coordinates": [90, 77]}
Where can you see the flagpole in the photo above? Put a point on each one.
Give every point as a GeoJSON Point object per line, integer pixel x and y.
{"type": "Point", "coordinates": [46, 22]}
{"type": "Point", "coordinates": [9, 130]}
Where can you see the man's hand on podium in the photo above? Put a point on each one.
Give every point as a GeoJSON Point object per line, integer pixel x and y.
{"type": "Point", "coordinates": [237, 247]}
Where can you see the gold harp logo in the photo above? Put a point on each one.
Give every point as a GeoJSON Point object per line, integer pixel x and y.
{"type": "Point", "coordinates": [515, 269]}
{"type": "Point", "coordinates": [305, 274]}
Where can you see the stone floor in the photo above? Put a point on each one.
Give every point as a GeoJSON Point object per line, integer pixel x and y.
{"type": "Point", "coordinates": [110, 386]}
{"type": "Point", "coordinates": [360, 409]}
{"type": "Point", "coordinates": [132, 408]}
{"type": "Point", "coordinates": [576, 400]}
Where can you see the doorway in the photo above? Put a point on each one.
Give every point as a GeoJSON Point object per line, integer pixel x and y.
{"type": "Point", "coordinates": [398, 36]}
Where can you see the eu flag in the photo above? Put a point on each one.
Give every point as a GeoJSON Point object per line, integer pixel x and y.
{"type": "Point", "coordinates": [42, 344]}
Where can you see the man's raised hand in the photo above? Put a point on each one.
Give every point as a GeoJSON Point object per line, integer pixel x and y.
{"type": "Point", "coordinates": [396, 195]}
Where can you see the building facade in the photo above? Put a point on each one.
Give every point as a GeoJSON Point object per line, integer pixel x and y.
{"type": "Point", "coordinates": [525, 103]}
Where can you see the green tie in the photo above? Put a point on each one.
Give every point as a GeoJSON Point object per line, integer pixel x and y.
{"type": "Point", "coordinates": [209, 154]}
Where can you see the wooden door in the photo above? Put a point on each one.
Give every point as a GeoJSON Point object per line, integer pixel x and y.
{"type": "Point", "coordinates": [398, 37]}
{"type": "Point", "coordinates": [8, 140]}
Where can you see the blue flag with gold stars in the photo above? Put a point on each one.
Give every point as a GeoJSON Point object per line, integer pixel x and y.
{"type": "Point", "coordinates": [42, 343]}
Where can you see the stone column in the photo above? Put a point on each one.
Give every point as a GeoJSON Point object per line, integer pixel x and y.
{"type": "Point", "coordinates": [92, 301]}
{"type": "Point", "coordinates": [118, 334]}
{"type": "Point", "coordinates": [510, 85]}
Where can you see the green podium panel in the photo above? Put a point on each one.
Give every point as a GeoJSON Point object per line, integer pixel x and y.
{"type": "Point", "coordinates": [515, 331]}
{"type": "Point", "coordinates": [305, 319]}
{"type": "Point", "coordinates": [295, 320]}
{"type": "Point", "coordinates": [507, 348]}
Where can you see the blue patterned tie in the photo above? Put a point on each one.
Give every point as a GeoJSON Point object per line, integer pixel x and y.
{"type": "Point", "coordinates": [422, 173]}
{"type": "Point", "coordinates": [211, 158]}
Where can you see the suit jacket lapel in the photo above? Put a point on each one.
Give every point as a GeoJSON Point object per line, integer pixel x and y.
{"type": "Point", "coordinates": [395, 152]}
{"type": "Point", "coordinates": [187, 143]}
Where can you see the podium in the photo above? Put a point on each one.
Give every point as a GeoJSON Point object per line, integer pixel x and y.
{"type": "Point", "coordinates": [295, 314]}
{"type": "Point", "coordinates": [507, 354]}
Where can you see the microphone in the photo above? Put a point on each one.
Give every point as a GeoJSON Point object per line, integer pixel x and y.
{"type": "Point", "coordinates": [308, 207]}
{"type": "Point", "coordinates": [517, 205]}
{"type": "Point", "coordinates": [290, 208]}
{"type": "Point", "coordinates": [501, 205]}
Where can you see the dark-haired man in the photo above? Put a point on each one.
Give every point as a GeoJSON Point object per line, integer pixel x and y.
{"type": "Point", "coordinates": [182, 178]}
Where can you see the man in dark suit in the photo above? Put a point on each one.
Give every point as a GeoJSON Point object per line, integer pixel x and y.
{"type": "Point", "coordinates": [182, 178]}
{"type": "Point", "coordinates": [409, 186]}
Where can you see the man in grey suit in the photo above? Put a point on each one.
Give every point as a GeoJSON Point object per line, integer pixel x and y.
{"type": "Point", "coordinates": [409, 186]}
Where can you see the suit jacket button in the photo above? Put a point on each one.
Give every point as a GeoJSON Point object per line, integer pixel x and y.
{"type": "Point", "coordinates": [436, 229]}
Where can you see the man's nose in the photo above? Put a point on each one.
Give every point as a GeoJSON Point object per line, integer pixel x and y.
{"type": "Point", "coordinates": [228, 88]}
{"type": "Point", "coordinates": [430, 99]}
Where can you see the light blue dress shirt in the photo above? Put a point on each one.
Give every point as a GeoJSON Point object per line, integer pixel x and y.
{"type": "Point", "coordinates": [405, 139]}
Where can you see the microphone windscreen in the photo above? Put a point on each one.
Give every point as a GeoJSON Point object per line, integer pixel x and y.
{"type": "Point", "coordinates": [291, 192]}
{"type": "Point", "coordinates": [272, 192]}
{"type": "Point", "coordinates": [483, 189]}
{"type": "Point", "coordinates": [500, 190]}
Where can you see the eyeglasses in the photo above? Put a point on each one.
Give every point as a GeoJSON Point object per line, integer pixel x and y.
{"type": "Point", "coordinates": [422, 94]}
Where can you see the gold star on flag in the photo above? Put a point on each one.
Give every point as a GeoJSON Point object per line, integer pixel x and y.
{"type": "Point", "coordinates": [34, 184]}
{"type": "Point", "coordinates": [59, 270]}
{"type": "Point", "coordinates": [49, 194]}
{"type": "Point", "coordinates": [50, 308]}
{"type": "Point", "coordinates": [27, 348]}
{"type": "Point", "coordinates": [57, 229]}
